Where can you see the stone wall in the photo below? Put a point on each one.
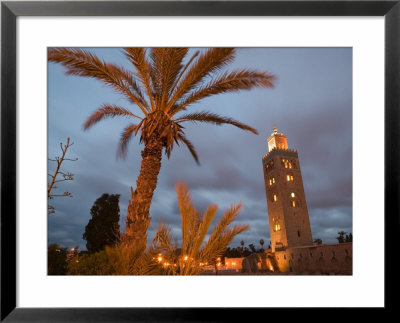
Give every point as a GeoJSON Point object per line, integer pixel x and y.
{"type": "Point", "coordinates": [318, 259]}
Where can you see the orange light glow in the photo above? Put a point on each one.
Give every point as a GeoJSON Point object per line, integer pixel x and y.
{"type": "Point", "coordinates": [185, 258]}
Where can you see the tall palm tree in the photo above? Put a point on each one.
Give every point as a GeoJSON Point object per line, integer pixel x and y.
{"type": "Point", "coordinates": [163, 84]}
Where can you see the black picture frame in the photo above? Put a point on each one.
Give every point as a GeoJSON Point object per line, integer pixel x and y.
{"type": "Point", "coordinates": [10, 10]}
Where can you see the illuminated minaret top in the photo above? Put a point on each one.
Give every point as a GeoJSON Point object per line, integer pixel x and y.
{"type": "Point", "coordinates": [277, 140]}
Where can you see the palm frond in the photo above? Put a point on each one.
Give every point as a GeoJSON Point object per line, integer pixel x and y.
{"type": "Point", "coordinates": [203, 227]}
{"type": "Point", "coordinates": [166, 65]}
{"type": "Point", "coordinates": [83, 63]}
{"type": "Point", "coordinates": [178, 78]}
{"type": "Point", "coordinates": [227, 82]}
{"type": "Point", "coordinates": [170, 134]}
{"type": "Point", "coordinates": [125, 137]}
{"type": "Point", "coordinates": [187, 212]}
{"type": "Point", "coordinates": [107, 111]}
{"type": "Point", "coordinates": [190, 146]}
{"type": "Point", "coordinates": [222, 235]}
{"type": "Point", "coordinates": [163, 239]}
{"type": "Point", "coordinates": [137, 56]}
{"type": "Point", "coordinates": [216, 119]}
{"type": "Point", "coordinates": [210, 61]}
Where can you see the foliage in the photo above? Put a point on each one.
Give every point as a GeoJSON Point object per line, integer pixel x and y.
{"type": "Point", "coordinates": [90, 264]}
{"type": "Point", "coordinates": [162, 86]}
{"type": "Point", "coordinates": [239, 252]}
{"type": "Point", "coordinates": [252, 248]}
{"type": "Point", "coordinates": [56, 260]}
{"type": "Point", "coordinates": [341, 238]}
{"type": "Point", "coordinates": [130, 258]}
{"type": "Point", "coordinates": [163, 257]}
{"type": "Point", "coordinates": [317, 241]}
{"type": "Point", "coordinates": [103, 227]}
{"type": "Point", "coordinates": [195, 251]}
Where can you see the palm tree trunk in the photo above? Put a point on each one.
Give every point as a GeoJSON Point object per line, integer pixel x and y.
{"type": "Point", "coordinates": [138, 218]}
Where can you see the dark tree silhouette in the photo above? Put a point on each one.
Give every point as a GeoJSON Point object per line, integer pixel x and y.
{"type": "Point", "coordinates": [349, 238]}
{"type": "Point", "coordinates": [56, 260]}
{"type": "Point", "coordinates": [317, 241]}
{"type": "Point", "coordinates": [340, 238]}
{"type": "Point", "coordinates": [103, 228]}
{"type": "Point", "coordinates": [262, 243]}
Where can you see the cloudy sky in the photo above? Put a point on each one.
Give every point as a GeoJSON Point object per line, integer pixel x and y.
{"type": "Point", "coordinates": [311, 103]}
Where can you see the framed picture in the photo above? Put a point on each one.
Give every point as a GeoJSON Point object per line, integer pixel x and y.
{"type": "Point", "coordinates": [368, 31]}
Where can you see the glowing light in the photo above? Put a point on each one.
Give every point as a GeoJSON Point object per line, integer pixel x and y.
{"type": "Point", "coordinates": [185, 258]}
{"type": "Point", "coordinates": [233, 263]}
{"type": "Point", "coordinates": [219, 264]}
{"type": "Point", "coordinates": [292, 194]}
{"type": "Point", "coordinates": [159, 258]}
{"type": "Point", "coordinates": [275, 197]}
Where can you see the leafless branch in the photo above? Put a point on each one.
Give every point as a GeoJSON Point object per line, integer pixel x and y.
{"type": "Point", "coordinates": [66, 176]}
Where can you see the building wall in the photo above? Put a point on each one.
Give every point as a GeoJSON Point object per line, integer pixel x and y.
{"type": "Point", "coordinates": [318, 259]}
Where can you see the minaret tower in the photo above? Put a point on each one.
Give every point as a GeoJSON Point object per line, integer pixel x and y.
{"type": "Point", "coordinates": [289, 223]}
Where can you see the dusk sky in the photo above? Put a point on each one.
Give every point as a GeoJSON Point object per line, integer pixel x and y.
{"type": "Point", "coordinates": [311, 103]}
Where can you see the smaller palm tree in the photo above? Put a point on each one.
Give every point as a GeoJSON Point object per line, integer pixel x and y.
{"type": "Point", "coordinates": [195, 252]}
